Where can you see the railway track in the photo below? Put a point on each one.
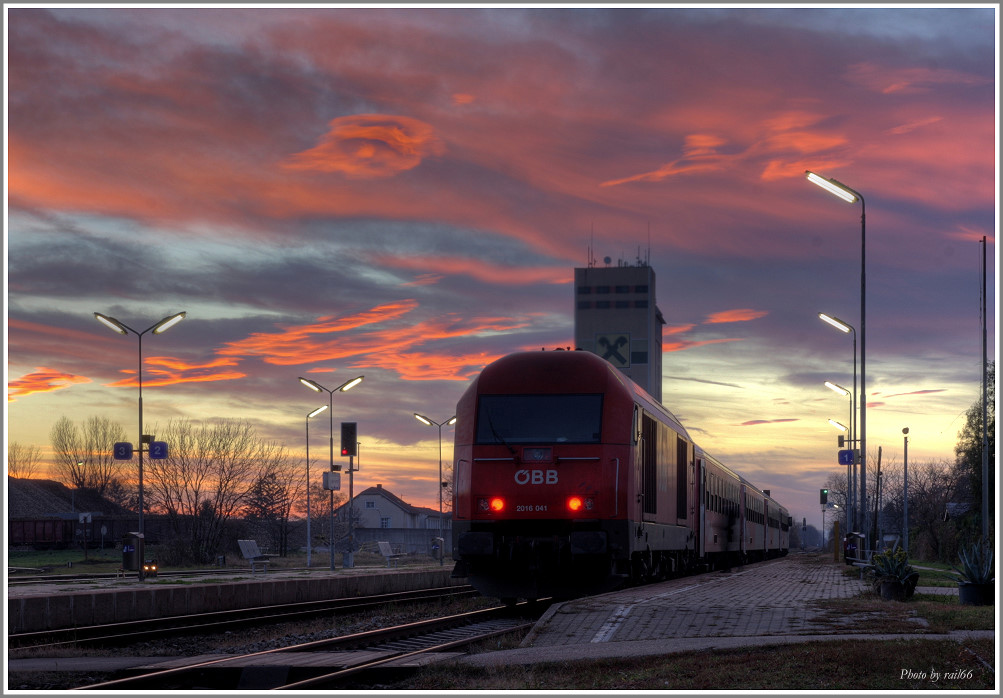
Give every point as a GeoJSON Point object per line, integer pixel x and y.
{"type": "Point", "coordinates": [84, 577]}
{"type": "Point", "coordinates": [335, 662]}
{"type": "Point", "coordinates": [220, 621]}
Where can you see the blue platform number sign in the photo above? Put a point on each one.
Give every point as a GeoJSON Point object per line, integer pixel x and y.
{"type": "Point", "coordinates": [846, 456]}
{"type": "Point", "coordinates": [158, 449]}
{"type": "Point", "coordinates": [122, 450]}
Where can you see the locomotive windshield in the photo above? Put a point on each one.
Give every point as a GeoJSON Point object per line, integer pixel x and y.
{"type": "Point", "coordinates": [520, 419]}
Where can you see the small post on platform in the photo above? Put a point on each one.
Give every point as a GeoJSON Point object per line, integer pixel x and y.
{"type": "Point", "coordinates": [835, 541]}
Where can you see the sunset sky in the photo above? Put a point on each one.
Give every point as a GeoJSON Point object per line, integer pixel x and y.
{"type": "Point", "coordinates": [405, 193]}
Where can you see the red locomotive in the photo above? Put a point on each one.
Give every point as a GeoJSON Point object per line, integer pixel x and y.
{"type": "Point", "coordinates": [569, 478]}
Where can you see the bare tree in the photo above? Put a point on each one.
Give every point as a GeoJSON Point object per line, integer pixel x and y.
{"type": "Point", "coordinates": [205, 482]}
{"type": "Point", "coordinates": [931, 487]}
{"type": "Point", "coordinates": [84, 456]}
{"type": "Point", "coordinates": [271, 498]}
{"type": "Point", "coordinates": [22, 460]}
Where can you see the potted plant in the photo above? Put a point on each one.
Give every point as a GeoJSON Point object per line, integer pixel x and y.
{"type": "Point", "coordinates": [976, 585]}
{"type": "Point", "coordinates": [892, 576]}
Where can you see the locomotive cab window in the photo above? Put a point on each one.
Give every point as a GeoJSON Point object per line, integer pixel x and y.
{"type": "Point", "coordinates": [521, 419]}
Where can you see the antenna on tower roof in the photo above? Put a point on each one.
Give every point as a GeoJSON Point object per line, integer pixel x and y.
{"type": "Point", "coordinates": [591, 249]}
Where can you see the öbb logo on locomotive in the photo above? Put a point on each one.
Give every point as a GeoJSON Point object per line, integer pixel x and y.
{"type": "Point", "coordinates": [569, 478]}
{"type": "Point", "coordinates": [535, 477]}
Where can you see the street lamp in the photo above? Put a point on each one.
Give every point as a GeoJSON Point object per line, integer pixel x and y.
{"type": "Point", "coordinates": [428, 422]}
{"type": "Point", "coordinates": [849, 468]}
{"type": "Point", "coordinates": [847, 328]}
{"type": "Point", "coordinates": [851, 196]}
{"type": "Point", "coordinates": [343, 388]}
{"type": "Point", "coordinates": [157, 328]}
{"type": "Point", "coordinates": [309, 538]}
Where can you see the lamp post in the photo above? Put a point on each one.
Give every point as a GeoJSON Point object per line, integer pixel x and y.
{"type": "Point", "coordinates": [157, 328]}
{"type": "Point", "coordinates": [309, 538]}
{"type": "Point", "coordinates": [905, 490]}
{"type": "Point", "coordinates": [847, 328]}
{"type": "Point", "coordinates": [428, 422]}
{"type": "Point", "coordinates": [343, 388]}
{"type": "Point", "coordinates": [851, 196]}
{"type": "Point", "coordinates": [849, 468]}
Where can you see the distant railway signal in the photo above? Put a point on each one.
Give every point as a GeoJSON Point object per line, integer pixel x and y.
{"type": "Point", "coordinates": [823, 496]}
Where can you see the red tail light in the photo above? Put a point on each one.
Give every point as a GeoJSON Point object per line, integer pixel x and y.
{"type": "Point", "coordinates": [576, 503]}
{"type": "Point", "coordinates": [492, 505]}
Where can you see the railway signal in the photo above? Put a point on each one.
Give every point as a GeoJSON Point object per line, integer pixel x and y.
{"type": "Point", "coordinates": [823, 496]}
{"type": "Point", "coordinates": [349, 434]}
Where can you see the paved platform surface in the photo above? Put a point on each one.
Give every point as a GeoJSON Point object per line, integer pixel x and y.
{"type": "Point", "coordinates": [765, 603]}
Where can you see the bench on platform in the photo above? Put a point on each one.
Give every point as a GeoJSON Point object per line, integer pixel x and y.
{"type": "Point", "coordinates": [387, 552]}
{"type": "Point", "coordinates": [251, 552]}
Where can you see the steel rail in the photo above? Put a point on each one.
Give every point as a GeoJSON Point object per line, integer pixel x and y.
{"type": "Point", "coordinates": [179, 678]}
{"type": "Point", "coordinates": [135, 630]}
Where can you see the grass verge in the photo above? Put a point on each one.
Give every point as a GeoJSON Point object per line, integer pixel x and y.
{"type": "Point", "coordinates": [899, 665]}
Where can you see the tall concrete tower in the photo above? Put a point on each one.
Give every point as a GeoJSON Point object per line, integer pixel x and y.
{"type": "Point", "coordinates": [616, 317]}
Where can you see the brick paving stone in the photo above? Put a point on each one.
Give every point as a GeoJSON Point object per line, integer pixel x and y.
{"type": "Point", "coordinates": [770, 598]}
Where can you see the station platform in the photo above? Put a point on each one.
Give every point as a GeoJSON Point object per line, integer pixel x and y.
{"type": "Point", "coordinates": [55, 605]}
{"type": "Point", "coordinates": [765, 603]}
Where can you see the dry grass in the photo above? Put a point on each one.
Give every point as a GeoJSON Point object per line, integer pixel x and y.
{"type": "Point", "coordinates": [849, 665]}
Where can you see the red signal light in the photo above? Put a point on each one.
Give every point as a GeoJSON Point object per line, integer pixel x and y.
{"type": "Point", "coordinates": [497, 504]}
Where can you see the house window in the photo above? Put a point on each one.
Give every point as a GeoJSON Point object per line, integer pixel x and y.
{"type": "Point", "coordinates": [384, 522]}
{"type": "Point", "coordinates": [370, 505]}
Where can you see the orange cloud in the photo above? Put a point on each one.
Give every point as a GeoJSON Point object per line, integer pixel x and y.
{"type": "Point", "coordinates": [42, 380]}
{"type": "Point", "coordinates": [461, 98]}
{"type": "Point", "coordinates": [170, 371]}
{"type": "Point", "coordinates": [385, 346]}
{"type": "Point", "coordinates": [296, 344]}
{"type": "Point", "coordinates": [370, 146]}
{"type": "Point", "coordinates": [740, 315]}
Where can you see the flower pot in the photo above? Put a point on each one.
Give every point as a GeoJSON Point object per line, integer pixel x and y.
{"type": "Point", "coordinates": [892, 590]}
{"type": "Point", "coordinates": [971, 594]}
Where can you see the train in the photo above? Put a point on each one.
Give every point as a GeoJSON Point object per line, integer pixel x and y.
{"type": "Point", "coordinates": [569, 479]}
{"type": "Point", "coordinates": [55, 532]}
